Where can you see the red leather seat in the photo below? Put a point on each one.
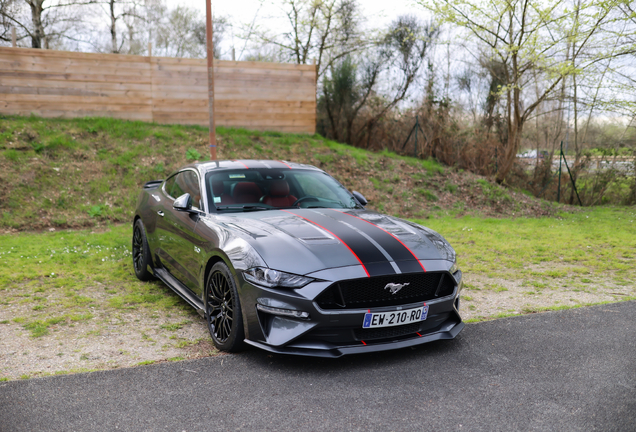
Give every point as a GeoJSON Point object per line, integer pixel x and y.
{"type": "Point", "coordinates": [279, 195]}
{"type": "Point", "coordinates": [218, 188]}
{"type": "Point", "coordinates": [247, 192]}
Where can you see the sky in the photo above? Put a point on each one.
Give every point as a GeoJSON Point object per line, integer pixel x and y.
{"type": "Point", "coordinates": [268, 14]}
{"type": "Point", "coordinates": [378, 12]}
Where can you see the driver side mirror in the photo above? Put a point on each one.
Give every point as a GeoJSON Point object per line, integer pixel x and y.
{"type": "Point", "coordinates": [361, 199]}
{"type": "Point", "coordinates": [183, 203]}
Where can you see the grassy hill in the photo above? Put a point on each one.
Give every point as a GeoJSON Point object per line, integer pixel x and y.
{"type": "Point", "coordinates": [87, 172]}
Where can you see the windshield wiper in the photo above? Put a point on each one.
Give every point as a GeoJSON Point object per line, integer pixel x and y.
{"type": "Point", "coordinates": [244, 208]}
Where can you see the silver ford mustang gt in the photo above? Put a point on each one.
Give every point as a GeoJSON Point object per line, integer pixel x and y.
{"type": "Point", "coordinates": [281, 256]}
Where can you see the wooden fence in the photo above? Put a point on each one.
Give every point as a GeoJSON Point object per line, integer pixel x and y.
{"type": "Point", "coordinates": [254, 95]}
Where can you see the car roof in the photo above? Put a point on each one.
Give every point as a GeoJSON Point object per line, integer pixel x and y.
{"type": "Point", "coordinates": [208, 166]}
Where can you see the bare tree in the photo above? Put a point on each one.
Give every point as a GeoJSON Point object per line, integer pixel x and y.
{"type": "Point", "coordinates": [126, 12]}
{"type": "Point", "coordinates": [381, 76]}
{"type": "Point", "coordinates": [322, 30]}
{"type": "Point", "coordinates": [10, 11]}
{"type": "Point", "coordinates": [181, 33]}
{"type": "Point", "coordinates": [45, 22]}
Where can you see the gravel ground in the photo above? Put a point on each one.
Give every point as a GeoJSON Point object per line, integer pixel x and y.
{"type": "Point", "coordinates": [488, 297]}
{"type": "Point", "coordinates": [111, 338]}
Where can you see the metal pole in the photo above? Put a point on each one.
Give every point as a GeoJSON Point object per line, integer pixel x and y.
{"type": "Point", "coordinates": [408, 138]}
{"type": "Point", "coordinates": [496, 160]}
{"type": "Point", "coordinates": [560, 159]}
{"type": "Point", "coordinates": [210, 55]}
{"type": "Point", "coordinates": [417, 125]}
{"type": "Point", "coordinates": [14, 38]}
{"type": "Point", "coordinates": [572, 179]}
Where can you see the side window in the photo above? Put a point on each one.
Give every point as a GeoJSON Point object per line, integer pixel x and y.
{"type": "Point", "coordinates": [170, 185]}
{"type": "Point", "coordinates": [177, 188]}
{"type": "Point", "coordinates": [187, 182]}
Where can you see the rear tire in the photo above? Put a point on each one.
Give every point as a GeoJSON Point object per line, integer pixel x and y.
{"type": "Point", "coordinates": [141, 252]}
{"type": "Point", "coordinates": [223, 310]}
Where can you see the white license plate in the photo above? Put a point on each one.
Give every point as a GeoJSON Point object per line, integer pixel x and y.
{"type": "Point", "coordinates": [395, 318]}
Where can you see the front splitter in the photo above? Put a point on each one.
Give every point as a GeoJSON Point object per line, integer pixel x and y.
{"type": "Point", "coordinates": [336, 352]}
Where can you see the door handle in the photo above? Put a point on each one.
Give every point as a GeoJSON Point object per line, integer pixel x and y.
{"type": "Point", "coordinates": [160, 213]}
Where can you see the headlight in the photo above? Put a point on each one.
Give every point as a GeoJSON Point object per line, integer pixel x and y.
{"type": "Point", "coordinates": [274, 278]}
{"type": "Point", "coordinates": [454, 268]}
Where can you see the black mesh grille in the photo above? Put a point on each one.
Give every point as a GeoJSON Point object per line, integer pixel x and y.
{"type": "Point", "coordinates": [371, 292]}
{"type": "Point", "coordinates": [387, 332]}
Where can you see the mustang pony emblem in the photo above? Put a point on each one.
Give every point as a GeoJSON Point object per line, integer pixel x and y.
{"type": "Point", "coordinates": [394, 288]}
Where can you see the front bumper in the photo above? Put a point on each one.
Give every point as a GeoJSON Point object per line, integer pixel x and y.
{"type": "Point", "coordinates": [334, 352]}
{"type": "Point", "coordinates": [334, 333]}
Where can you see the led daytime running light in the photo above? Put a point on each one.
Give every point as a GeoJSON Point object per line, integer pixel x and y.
{"type": "Point", "coordinates": [283, 312]}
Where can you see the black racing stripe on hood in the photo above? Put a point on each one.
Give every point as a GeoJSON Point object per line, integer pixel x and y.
{"type": "Point", "coordinates": [405, 259]}
{"type": "Point", "coordinates": [371, 257]}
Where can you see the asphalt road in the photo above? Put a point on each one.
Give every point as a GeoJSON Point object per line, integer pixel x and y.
{"type": "Point", "coordinates": [559, 371]}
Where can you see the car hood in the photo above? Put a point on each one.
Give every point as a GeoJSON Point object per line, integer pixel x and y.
{"type": "Point", "coordinates": [304, 241]}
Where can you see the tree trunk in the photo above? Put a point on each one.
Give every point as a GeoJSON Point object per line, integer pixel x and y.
{"type": "Point", "coordinates": [36, 17]}
{"type": "Point", "coordinates": [515, 118]}
{"type": "Point", "coordinates": [113, 28]}
{"type": "Point", "coordinates": [577, 151]}
{"type": "Point", "coordinates": [510, 152]}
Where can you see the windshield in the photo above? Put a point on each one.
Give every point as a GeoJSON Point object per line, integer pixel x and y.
{"type": "Point", "coordinates": [264, 189]}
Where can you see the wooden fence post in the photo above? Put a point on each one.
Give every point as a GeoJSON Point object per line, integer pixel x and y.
{"type": "Point", "coordinates": [14, 38]}
{"type": "Point", "coordinates": [149, 49]}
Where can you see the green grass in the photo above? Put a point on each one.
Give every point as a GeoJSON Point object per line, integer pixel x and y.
{"type": "Point", "coordinates": [430, 196]}
{"type": "Point", "coordinates": [175, 326]}
{"type": "Point", "coordinates": [541, 252]}
{"type": "Point", "coordinates": [493, 192]}
{"type": "Point", "coordinates": [54, 269]}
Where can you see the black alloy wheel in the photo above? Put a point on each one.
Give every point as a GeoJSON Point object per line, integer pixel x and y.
{"type": "Point", "coordinates": [223, 310]}
{"type": "Point", "coordinates": [140, 252]}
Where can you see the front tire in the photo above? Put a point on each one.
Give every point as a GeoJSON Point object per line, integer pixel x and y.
{"type": "Point", "coordinates": [140, 252]}
{"type": "Point", "coordinates": [223, 309]}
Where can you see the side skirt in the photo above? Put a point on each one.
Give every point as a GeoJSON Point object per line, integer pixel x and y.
{"type": "Point", "coordinates": [180, 289]}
